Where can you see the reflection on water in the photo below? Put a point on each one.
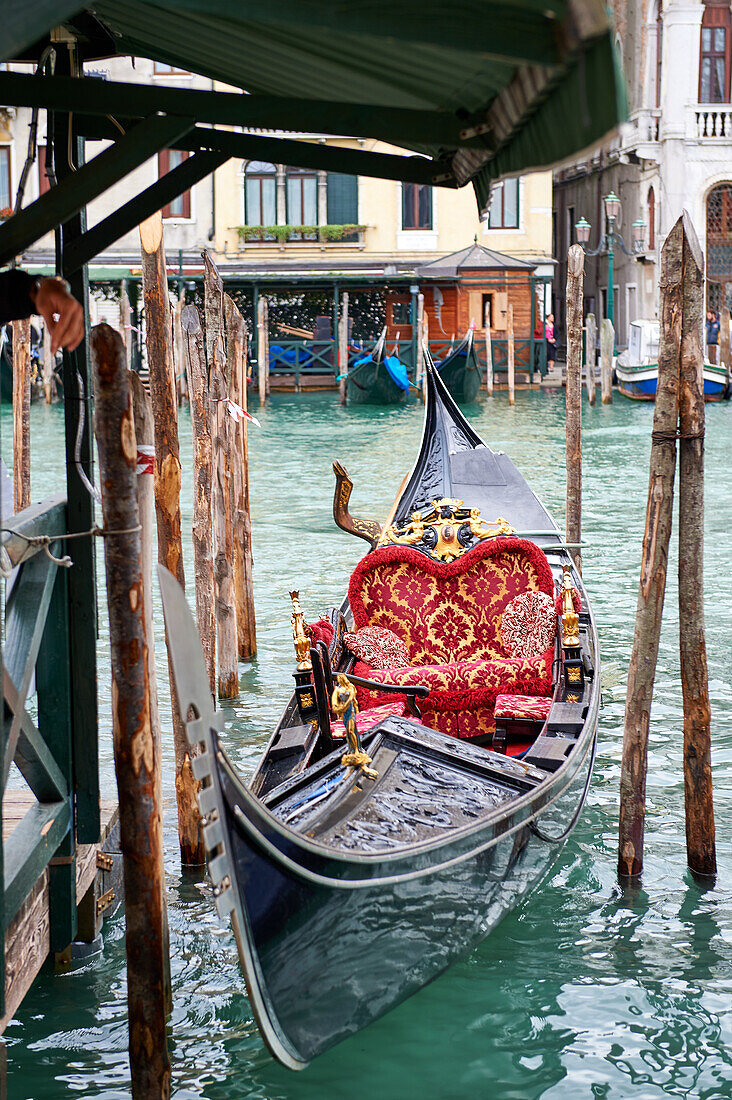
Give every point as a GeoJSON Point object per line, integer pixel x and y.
{"type": "Point", "coordinates": [584, 990]}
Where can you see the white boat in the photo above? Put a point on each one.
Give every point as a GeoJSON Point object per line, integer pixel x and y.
{"type": "Point", "coordinates": [636, 369]}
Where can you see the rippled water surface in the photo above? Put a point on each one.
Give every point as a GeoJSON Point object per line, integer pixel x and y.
{"type": "Point", "coordinates": [583, 991]}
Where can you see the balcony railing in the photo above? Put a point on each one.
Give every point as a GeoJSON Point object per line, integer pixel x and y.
{"type": "Point", "coordinates": [711, 122]}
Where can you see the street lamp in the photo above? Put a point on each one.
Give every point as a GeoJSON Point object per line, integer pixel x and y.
{"type": "Point", "coordinates": [609, 239]}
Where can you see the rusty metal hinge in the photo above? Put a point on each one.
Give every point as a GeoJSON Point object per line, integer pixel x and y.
{"type": "Point", "coordinates": [104, 862]}
{"type": "Point", "coordinates": [104, 902]}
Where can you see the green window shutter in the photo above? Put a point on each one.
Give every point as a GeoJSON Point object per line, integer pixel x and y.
{"type": "Point", "coordinates": [342, 199]}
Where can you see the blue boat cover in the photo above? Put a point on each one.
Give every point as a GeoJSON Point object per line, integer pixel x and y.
{"type": "Point", "coordinates": [397, 371]}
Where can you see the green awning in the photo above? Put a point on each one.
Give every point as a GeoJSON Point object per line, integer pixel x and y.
{"type": "Point", "coordinates": [481, 88]}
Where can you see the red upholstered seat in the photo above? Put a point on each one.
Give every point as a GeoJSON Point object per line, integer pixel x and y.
{"type": "Point", "coordinates": [449, 616]}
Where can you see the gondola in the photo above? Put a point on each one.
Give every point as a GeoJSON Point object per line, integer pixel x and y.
{"type": "Point", "coordinates": [376, 378]}
{"type": "Point", "coordinates": [460, 371]}
{"type": "Point", "coordinates": [373, 848]}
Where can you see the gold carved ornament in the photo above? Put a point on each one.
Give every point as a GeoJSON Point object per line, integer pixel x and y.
{"type": "Point", "coordinates": [300, 635]}
{"type": "Point", "coordinates": [345, 707]}
{"type": "Point", "coordinates": [570, 618]}
{"type": "Point", "coordinates": [442, 524]}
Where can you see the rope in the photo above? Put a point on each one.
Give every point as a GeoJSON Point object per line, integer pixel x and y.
{"type": "Point", "coordinates": [46, 541]}
{"type": "Point", "coordinates": [672, 436]}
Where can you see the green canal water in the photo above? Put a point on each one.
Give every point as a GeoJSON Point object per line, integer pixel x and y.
{"type": "Point", "coordinates": [585, 990]}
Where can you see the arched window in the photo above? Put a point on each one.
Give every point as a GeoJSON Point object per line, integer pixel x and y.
{"type": "Point", "coordinates": [651, 219]}
{"type": "Point", "coordinates": [302, 200]}
{"type": "Point", "coordinates": [719, 247]}
{"type": "Point", "coordinates": [714, 60]}
{"type": "Point", "coordinates": [260, 193]}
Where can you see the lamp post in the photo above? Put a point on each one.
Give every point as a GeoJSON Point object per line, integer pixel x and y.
{"type": "Point", "coordinates": [608, 242]}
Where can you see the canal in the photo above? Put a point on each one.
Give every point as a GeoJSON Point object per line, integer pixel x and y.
{"type": "Point", "coordinates": [583, 991]}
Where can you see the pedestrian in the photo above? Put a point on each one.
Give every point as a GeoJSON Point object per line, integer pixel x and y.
{"type": "Point", "coordinates": [551, 347]}
{"type": "Point", "coordinates": [712, 335]}
{"type": "Point", "coordinates": [22, 294]}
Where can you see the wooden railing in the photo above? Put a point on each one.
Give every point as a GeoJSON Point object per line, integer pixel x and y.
{"type": "Point", "coordinates": [36, 659]}
{"type": "Point", "coordinates": [305, 358]}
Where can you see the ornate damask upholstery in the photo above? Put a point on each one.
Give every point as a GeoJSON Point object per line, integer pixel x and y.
{"type": "Point", "coordinates": [367, 719]}
{"type": "Point", "coordinates": [449, 616]}
{"type": "Point", "coordinates": [526, 707]}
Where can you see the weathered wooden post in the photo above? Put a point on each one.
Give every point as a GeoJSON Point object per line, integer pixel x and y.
{"type": "Point", "coordinates": [137, 760]}
{"type": "Point", "coordinates": [181, 388]}
{"type": "Point", "coordinates": [263, 348]}
{"type": "Point", "coordinates": [167, 499]}
{"type": "Point", "coordinates": [236, 354]}
{"type": "Point", "coordinates": [194, 357]}
{"type": "Point", "coordinates": [145, 436]}
{"type": "Point", "coordinates": [419, 345]}
{"type": "Point", "coordinates": [125, 319]}
{"type": "Point", "coordinates": [607, 343]}
{"type": "Point", "coordinates": [343, 348]}
{"type": "Point", "coordinates": [575, 297]}
{"type": "Point", "coordinates": [511, 361]}
{"type": "Point", "coordinates": [724, 339]}
{"type": "Point", "coordinates": [700, 840]}
{"type": "Point", "coordinates": [21, 415]}
{"type": "Point", "coordinates": [223, 446]}
{"type": "Point", "coordinates": [488, 351]}
{"type": "Point", "coordinates": [49, 364]}
{"type": "Point", "coordinates": [590, 353]}
{"type": "Point", "coordinates": [654, 561]}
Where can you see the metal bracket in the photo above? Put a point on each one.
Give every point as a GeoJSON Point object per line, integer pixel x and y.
{"type": "Point", "coordinates": [104, 902]}
{"type": "Point", "coordinates": [104, 862]}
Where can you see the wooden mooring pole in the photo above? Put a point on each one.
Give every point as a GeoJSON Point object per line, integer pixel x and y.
{"type": "Point", "coordinates": [343, 348]}
{"type": "Point", "coordinates": [194, 356]}
{"type": "Point", "coordinates": [511, 359]}
{"type": "Point", "coordinates": [48, 368]}
{"type": "Point", "coordinates": [21, 415]}
{"type": "Point", "coordinates": [590, 356]}
{"type": "Point", "coordinates": [137, 760]}
{"type": "Point", "coordinates": [236, 355]}
{"type": "Point", "coordinates": [145, 437]}
{"type": "Point", "coordinates": [263, 349]}
{"type": "Point", "coordinates": [225, 452]}
{"type": "Point", "coordinates": [654, 561]}
{"type": "Point", "coordinates": [575, 298]}
{"type": "Point", "coordinates": [488, 352]}
{"type": "Point", "coordinates": [699, 805]}
{"type": "Point", "coordinates": [724, 340]}
{"type": "Point", "coordinates": [167, 475]}
{"type": "Point", "coordinates": [607, 343]}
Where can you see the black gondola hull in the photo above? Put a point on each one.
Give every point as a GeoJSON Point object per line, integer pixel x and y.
{"type": "Point", "coordinates": [367, 933]}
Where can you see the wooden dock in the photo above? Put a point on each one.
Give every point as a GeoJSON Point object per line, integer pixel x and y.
{"type": "Point", "coordinates": [27, 940]}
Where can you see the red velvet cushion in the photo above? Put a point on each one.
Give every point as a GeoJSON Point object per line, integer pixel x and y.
{"type": "Point", "coordinates": [378, 647]}
{"type": "Point", "coordinates": [528, 624]}
{"type": "Point", "coordinates": [522, 706]}
{"type": "Point", "coordinates": [367, 719]}
{"type": "Point", "coordinates": [446, 611]}
{"type": "Point", "coordinates": [322, 631]}
{"type": "Point", "coordinates": [463, 684]}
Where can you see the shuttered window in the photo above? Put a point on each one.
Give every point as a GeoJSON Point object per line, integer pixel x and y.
{"type": "Point", "coordinates": [342, 199]}
{"type": "Point", "coordinates": [416, 206]}
{"type": "Point", "coordinates": [180, 207]}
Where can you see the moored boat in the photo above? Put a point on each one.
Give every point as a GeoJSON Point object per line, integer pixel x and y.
{"type": "Point", "coordinates": [636, 369]}
{"type": "Point", "coordinates": [377, 378]}
{"type": "Point", "coordinates": [434, 757]}
{"type": "Point", "coordinates": [460, 371]}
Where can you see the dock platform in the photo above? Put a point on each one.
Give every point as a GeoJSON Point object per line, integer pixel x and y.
{"type": "Point", "coordinates": [27, 940]}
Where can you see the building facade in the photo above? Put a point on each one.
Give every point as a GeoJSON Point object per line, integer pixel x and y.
{"type": "Point", "coordinates": [266, 219]}
{"type": "Point", "coordinates": [674, 154]}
